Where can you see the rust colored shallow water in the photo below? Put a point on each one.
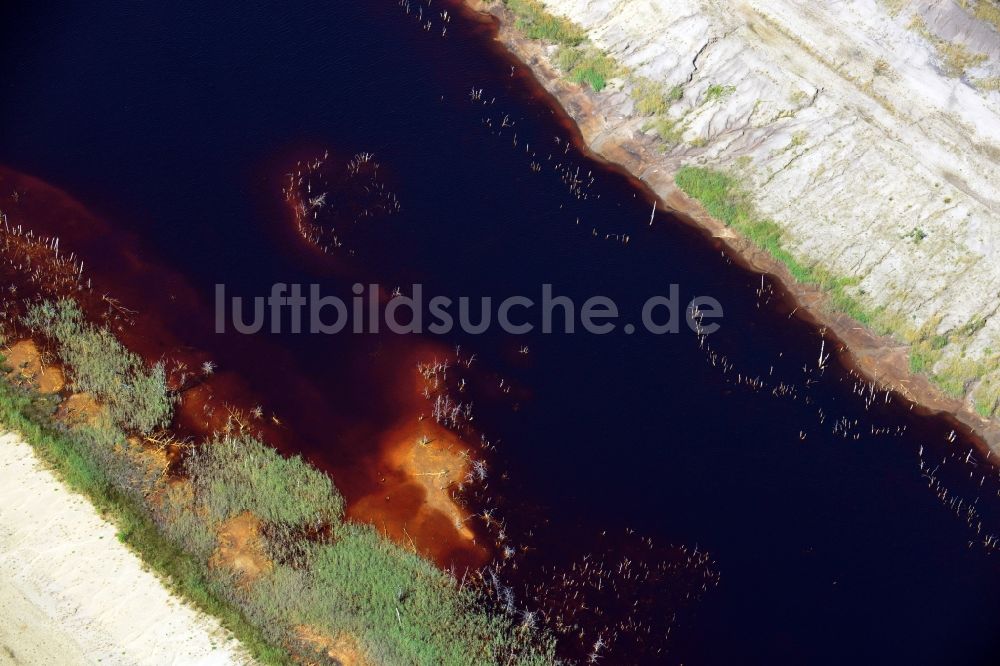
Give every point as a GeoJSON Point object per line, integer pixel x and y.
{"type": "Point", "coordinates": [163, 318]}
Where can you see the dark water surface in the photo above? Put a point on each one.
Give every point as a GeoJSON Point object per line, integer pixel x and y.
{"type": "Point", "coordinates": [177, 121]}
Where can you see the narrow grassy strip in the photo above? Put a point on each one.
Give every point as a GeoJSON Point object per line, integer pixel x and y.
{"type": "Point", "coordinates": [29, 414]}
{"type": "Point", "coordinates": [725, 200]}
{"type": "Point", "coordinates": [322, 574]}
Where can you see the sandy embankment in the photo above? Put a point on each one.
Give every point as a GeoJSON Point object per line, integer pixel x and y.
{"type": "Point", "coordinates": [71, 593]}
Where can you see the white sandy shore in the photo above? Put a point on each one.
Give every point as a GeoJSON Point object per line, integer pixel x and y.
{"type": "Point", "coordinates": [71, 593]}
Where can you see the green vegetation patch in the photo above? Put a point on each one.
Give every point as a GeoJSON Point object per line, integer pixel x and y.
{"type": "Point", "coordinates": [346, 578]}
{"type": "Point", "coordinates": [585, 64]}
{"type": "Point", "coordinates": [401, 609]}
{"type": "Point", "coordinates": [234, 475]}
{"type": "Point", "coordinates": [717, 91]}
{"type": "Point", "coordinates": [335, 577]}
{"type": "Point", "coordinates": [652, 98]}
{"type": "Point", "coordinates": [986, 396]}
{"type": "Point", "coordinates": [84, 469]}
{"type": "Point", "coordinates": [670, 131]}
{"type": "Point", "coordinates": [136, 397]}
{"type": "Point", "coordinates": [536, 23]}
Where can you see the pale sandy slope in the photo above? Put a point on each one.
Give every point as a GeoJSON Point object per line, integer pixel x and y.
{"type": "Point", "coordinates": [879, 163]}
{"type": "Point", "coordinates": [71, 593]}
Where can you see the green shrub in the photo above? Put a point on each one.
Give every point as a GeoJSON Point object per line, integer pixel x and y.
{"type": "Point", "coordinates": [716, 91]}
{"type": "Point", "coordinates": [232, 475]}
{"type": "Point", "coordinates": [118, 459]}
{"type": "Point", "coordinates": [669, 130]}
{"type": "Point", "coordinates": [136, 398]}
{"type": "Point", "coordinates": [652, 99]}
{"type": "Point", "coordinates": [179, 520]}
{"type": "Point", "coordinates": [536, 23]}
{"type": "Point", "coordinates": [567, 59]}
{"type": "Point", "coordinates": [987, 396]}
{"type": "Point", "coordinates": [587, 65]}
{"type": "Point", "coordinates": [921, 360]}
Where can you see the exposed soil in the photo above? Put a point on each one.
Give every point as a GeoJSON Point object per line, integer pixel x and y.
{"type": "Point", "coordinates": [343, 649]}
{"type": "Point", "coordinates": [241, 548]}
{"type": "Point", "coordinates": [25, 358]}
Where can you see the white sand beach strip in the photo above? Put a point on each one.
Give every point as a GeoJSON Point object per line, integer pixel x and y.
{"type": "Point", "coordinates": [71, 593]}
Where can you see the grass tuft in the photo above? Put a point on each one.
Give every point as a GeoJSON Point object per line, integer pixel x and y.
{"type": "Point", "coordinates": [955, 58]}
{"type": "Point", "coordinates": [537, 23]}
{"type": "Point", "coordinates": [587, 65]}
{"type": "Point", "coordinates": [652, 98]}
{"type": "Point", "coordinates": [717, 91]}
{"type": "Point", "coordinates": [137, 397]}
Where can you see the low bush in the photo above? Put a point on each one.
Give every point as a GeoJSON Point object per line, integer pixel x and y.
{"type": "Point", "coordinates": [136, 397]}
{"type": "Point", "coordinates": [717, 91]}
{"type": "Point", "coordinates": [587, 65]}
{"type": "Point", "coordinates": [535, 22]}
{"type": "Point", "coordinates": [653, 99]}
{"type": "Point", "coordinates": [232, 475]}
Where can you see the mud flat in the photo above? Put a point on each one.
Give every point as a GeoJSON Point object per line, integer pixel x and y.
{"type": "Point", "coordinates": [71, 593]}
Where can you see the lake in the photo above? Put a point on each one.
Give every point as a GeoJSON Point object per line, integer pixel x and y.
{"type": "Point", "coordinates": [704, 501]}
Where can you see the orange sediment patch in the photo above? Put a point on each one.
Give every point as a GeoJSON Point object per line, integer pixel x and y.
{"type": "Point", "coordinates": [80, 409]}
{"type": "Point", "coordinates": [424, 466]}
{"type": "Point", "coordinates": [241, 548]}
{"type": "Point", "coordinates": [26, 360]}
{"type": "Point", "coordinates": [433, 457]}
{"type": "Point", "coordinates": [154, 459]}
{"type": "Point", "coordinates": [343, 649]}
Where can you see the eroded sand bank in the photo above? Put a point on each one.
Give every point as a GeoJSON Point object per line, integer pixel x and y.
{"type": "Point", "coordinates": [71, 593]}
